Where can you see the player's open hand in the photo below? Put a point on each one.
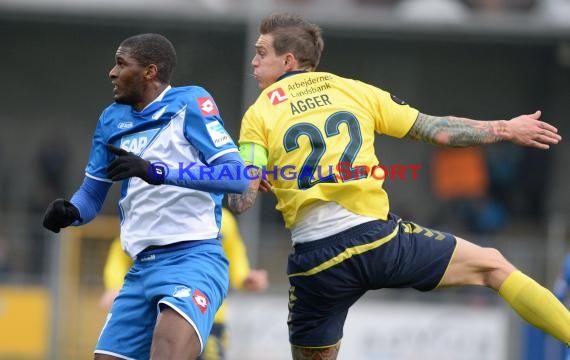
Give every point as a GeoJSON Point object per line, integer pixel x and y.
{"type": "Point", "coordinates": [529, 130]}
{"type": "Point", "coordinates": [127, 165]}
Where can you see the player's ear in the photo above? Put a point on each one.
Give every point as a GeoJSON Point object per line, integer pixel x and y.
{"type": "Point", "coordinates": [150, 72]}
{"type": "Point", "coordinates": [290, 62]}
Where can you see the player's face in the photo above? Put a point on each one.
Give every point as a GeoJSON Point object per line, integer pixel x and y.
{"type": "Point", "coordinates": [127, 77]}
{"type": "Point", "coordinates": [267, 66]}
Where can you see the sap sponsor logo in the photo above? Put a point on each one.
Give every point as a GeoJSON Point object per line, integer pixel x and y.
{"type": "Point", "coordinates": [201, 301]}
{"type": "Point", "coordinates": [136, 142]}
{"type": "Point", "coordinates": [159, 113]}
{"type": "Point", "coordinates": [181, 292]}
{"type": "Point", "coordinates": [277, 96]}
{"type": "Point", "coordinates": [218, 134]}
{"type": "Point", "coordinates": [125, 125]}
{"type": "Point", "coordinates": [207, 106]}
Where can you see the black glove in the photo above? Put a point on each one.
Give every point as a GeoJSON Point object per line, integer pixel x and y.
{"type": "Point", "coordinates": [128, 165]}
{"type": "Point", "coordinates": [59, 214]}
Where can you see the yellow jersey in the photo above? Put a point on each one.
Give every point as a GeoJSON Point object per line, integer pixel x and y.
{"type": "Point", "coordinates": [118, 262]}
{"type": "Point", "coordinates": [319, 129]}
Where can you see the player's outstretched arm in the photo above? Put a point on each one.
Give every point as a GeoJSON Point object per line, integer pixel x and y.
{"type": "Point", "coordinates": [239, 203]}
{"type": "Point", "coordinates": [127, 165]}
{"type": "Point", "coordinates": [451, 131]}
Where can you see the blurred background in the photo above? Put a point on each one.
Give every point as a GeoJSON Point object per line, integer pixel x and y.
{"type": "Point", "coordinates": [484, 59]}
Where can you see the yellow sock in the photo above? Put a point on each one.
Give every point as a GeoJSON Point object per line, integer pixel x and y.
{"type": "Point", "coordinates": [537, 305]}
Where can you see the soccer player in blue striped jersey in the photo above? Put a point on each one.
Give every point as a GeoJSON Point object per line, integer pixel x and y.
{"type": "Point", "coordinates": [346, 240]}
{"type": "Point", "coordinates": [170, 213]}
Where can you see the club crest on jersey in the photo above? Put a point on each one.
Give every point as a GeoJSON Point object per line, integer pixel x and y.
{"type": "Point", "coordinates": [207, 106]}
{"type": "Point", "coordinates": [277, 96]}
{"type": "Point", "coordinates": [136, 142]}
{"type": "Point", "coordinates": [181, 292]}
{"type": "Point", "coordinates": [201, 301]}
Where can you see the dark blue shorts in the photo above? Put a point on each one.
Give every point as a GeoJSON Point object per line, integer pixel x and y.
{"type": "Point", "coordinates": [327, 276]}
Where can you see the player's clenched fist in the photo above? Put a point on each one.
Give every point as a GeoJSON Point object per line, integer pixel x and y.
{"type": "Point", "coordinates": [59, 214]}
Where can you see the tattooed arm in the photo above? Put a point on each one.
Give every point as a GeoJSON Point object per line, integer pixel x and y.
{"type": "Point", "coordinates": [239, 203]}
{"type": "Point", "coordinates": [453, 131]}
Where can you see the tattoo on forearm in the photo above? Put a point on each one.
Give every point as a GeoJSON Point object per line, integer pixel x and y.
{"type": "Point", "coordinates": [328, 353]}
{"type": "Point", "coordinates": [454, 131]}
{"type": "Point", "coordinates": [239, 203]}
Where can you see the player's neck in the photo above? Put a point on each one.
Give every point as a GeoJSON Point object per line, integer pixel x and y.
{"type": "Point", "coordinates": [149, 96]}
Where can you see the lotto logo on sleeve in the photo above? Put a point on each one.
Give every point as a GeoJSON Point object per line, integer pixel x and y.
{"type": "Point", "coordinates": [201, 301]}
{"type": "Point", "coordinates": [277, 96]}
{"type": "Point", "coordinates": [207, 106]}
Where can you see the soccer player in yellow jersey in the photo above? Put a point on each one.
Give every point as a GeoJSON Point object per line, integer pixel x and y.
{"type": "Point", "coordinates": [312, 133]}
{"type": "Point", "coordinates": [240, 274]}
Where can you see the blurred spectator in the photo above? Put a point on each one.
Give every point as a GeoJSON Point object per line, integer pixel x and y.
{"type": "Point", "coordinates": [534, 178]}
{"type": "Point", "coordinates": [519, 180]}
{"type": "Point", "coordinates": [459, 173]}
{"type": "Point", "coordinates": [460, 182]}
{"type": "Point", "coordinates": [504, 162]}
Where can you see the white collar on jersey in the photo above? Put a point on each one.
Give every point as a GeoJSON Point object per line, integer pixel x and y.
{"type": "Point", "coordinates": [158, 98]}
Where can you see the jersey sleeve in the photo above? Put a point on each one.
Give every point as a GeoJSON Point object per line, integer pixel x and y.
{"type": "Point", "coordinates": [253, 154]}
{"type": "Point", "coordinates": [392, 116]}
{"type": "Point", "coordinates": [234, 249]}
{"type": "Point", "coordinates": [99, 157]}
{"type": "Point", "coordinates": [252, 128]}
{"type": "Point", "coordinates": [204, 128]}
{"type": "Point", "coordinates": [116, 266]}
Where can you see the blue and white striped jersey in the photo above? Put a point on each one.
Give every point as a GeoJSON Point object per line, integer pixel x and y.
{"type": "Point", "coordinates": [180, 127]}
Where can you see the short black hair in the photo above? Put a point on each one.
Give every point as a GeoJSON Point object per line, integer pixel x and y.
{"type": "Point", "coordinates": [153, 49]}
